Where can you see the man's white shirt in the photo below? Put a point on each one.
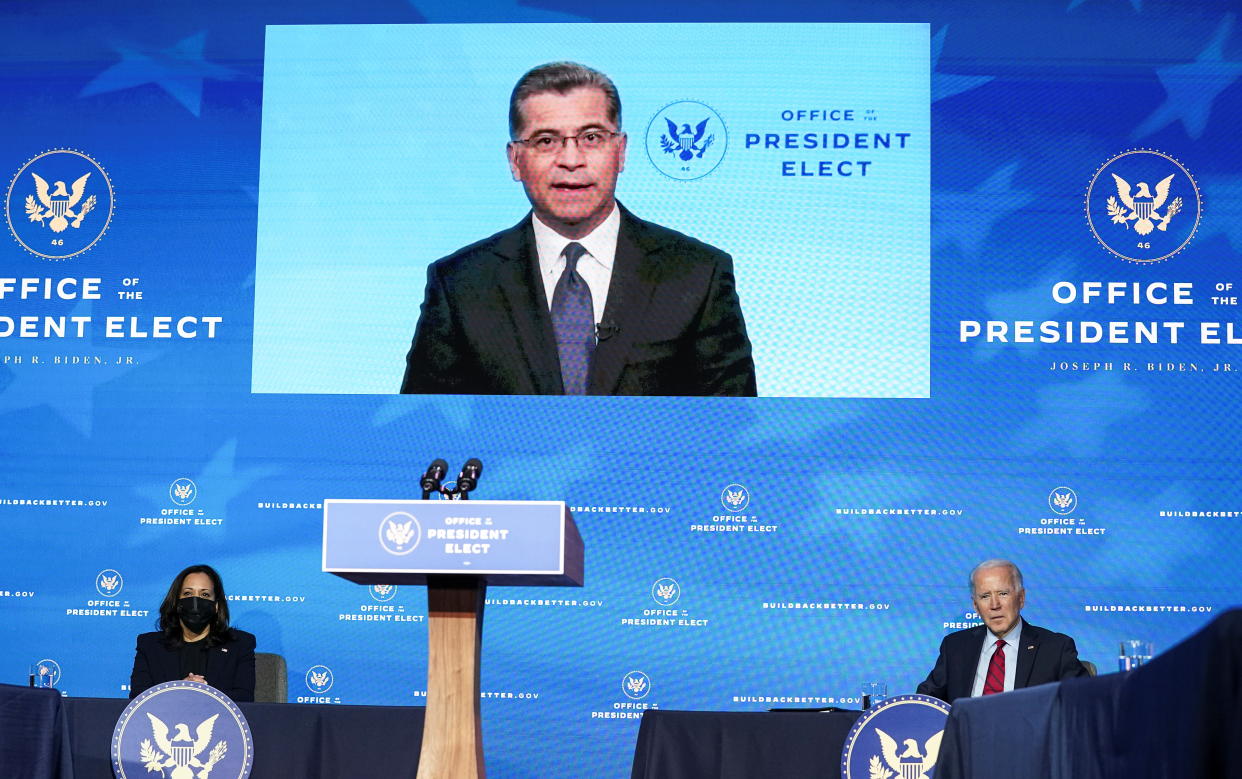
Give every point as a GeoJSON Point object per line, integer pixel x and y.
{"type": "Point", "coordinates": [595, 267]}
{"type": "Point", "coordinates": [1012, 641]}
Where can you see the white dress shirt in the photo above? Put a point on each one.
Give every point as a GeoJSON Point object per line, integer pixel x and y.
{"type": "Point", "coordinates": [1012, 643]}
{"type": "Point", "coordinates": [595, 267]}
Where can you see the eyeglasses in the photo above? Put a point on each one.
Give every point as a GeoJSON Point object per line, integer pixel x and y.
{"type": "Point", "coordinates": [551, 143]}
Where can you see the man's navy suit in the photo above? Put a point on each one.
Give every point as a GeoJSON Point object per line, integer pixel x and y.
{"type": "Point", "coordinates": [1043, 657]}
{"type": "Point", "coordinates": [672, 323]}
{"type": "Point", "coordinates": [230, 665]}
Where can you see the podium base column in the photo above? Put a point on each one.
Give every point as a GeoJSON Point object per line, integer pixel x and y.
{"type": "Point", "coordinates": [452, 730]}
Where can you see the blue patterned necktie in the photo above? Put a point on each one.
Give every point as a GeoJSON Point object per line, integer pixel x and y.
{"type": "Point", "coordinates": [573, 320]}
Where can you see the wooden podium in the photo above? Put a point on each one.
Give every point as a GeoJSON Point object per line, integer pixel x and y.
{"type": "Point", "coordinates": [455, 548]}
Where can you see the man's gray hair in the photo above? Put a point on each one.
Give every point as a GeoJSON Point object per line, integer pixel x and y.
{"type": "Point", "coordinates": [996, 563]}
{"type": "Point", "coordinates": [561, 78]}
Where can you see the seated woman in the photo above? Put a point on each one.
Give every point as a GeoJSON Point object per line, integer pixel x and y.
{"type": "Point", "coordinates": [195, 642]}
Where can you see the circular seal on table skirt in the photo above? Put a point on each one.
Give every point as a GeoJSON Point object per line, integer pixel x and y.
{"type": "Point", "coordinates": [898, 739]}
{"type": "Point", "coordinates": [182, 730]}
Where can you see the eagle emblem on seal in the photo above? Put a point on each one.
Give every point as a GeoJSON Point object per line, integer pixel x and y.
{"type": "Point", "coordinates": [182, 752]}
{"type": "Point", "coordinates": [56, 203]}
{"type": "Point", "coordinates": [1142, 206]}
{"type": "Point", "coordinates": [909, 764]}
{"type": "Point", "coordinates": [686, 143]}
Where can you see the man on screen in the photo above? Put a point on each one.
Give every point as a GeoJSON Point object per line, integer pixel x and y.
{"type": "Point", "coordinates": [1005, 652]}
{"type": "Point", "coordinates": [581, 297]}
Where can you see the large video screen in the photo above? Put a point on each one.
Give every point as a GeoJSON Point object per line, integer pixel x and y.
{"type": "Point", "coordinates": [805, 157]}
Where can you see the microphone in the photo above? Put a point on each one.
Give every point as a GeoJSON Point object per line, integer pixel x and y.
{"type": "Point", "coordinates": [468, 479]}
{"type": "Point", "coordinates": [431, 479]}
{"type": "Point", "coordinates": [606, 329]}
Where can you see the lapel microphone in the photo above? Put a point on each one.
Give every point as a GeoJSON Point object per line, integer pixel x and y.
{"type": "Point", "coordinates": [606, 329]}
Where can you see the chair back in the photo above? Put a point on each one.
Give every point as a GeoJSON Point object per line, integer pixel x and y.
{"type": "Point", "coordinates": [270, 678]}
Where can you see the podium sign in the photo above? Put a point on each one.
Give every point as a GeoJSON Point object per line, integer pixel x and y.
{"type": "Point", "coordinates": [404, 541]}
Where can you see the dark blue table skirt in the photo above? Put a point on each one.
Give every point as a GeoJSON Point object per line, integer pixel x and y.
{"type": "Point", "coordinates": [740, 745]}
{"type": "Point", "coordinates": [298, 741]}
{"type": "Point", "coordinates": [32, 730]}
{"type": "Point", "coordinates": [1000, 735]}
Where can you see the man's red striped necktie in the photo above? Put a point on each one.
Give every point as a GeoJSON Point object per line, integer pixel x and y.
{"type": "Point", "coordinates": [996, 670]}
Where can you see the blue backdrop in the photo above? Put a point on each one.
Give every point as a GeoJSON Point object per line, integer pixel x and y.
{"type": "Point", "coordinates": [803, 545]}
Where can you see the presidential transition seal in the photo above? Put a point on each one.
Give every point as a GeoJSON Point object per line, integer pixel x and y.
{"type": "Point", "coordinates": [183, 491]}
{"type": "Point", "coordinates": [898, 739]}
{"type": "Point", "coordinates": [1063, 500]}
{"type": "Point", "coordinates": [59, 204]}
{"type": "Point", "coordinates": [399, 533]}
{"type": "Point", "coordinates": [319, 679]}
{"type": "Point", "coordinates": [666, 591]}
{"type": "Point", "coordinates": [182, 730]}
{"type": "Point", "coordinates": [735, 498]}
{"type": "Point", "coordinates": [1143, 206]}
{"type": "Point", "coordinates": [636, 685]}
{"type": "Point", "coordinates": [686, 140]}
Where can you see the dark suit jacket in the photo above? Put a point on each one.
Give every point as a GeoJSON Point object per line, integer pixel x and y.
{"type": "Point", "coordinates": [675, 321]}
{"type": "Point", "coordinates": [1043, 657]}
{"type": "Point", "coordinates": [230, 666]}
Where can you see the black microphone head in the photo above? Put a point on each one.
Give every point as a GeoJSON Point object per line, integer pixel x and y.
{"type": "Point", "coordinates": [438, 469]}
{"type": "Point", "coordinates": [434, 475]}
{"type": "Point", "coordinates": [470, 472]}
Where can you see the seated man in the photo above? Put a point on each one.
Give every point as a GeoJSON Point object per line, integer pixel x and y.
{"type": "Point", "coordinates": [1004, 653]}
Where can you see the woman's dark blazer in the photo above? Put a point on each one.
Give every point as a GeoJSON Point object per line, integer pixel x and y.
{"type": "Point", "coordinates": [230, 665]}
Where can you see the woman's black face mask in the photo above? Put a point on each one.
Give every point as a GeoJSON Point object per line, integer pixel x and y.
{"type": "Point", "coordinates": [196, 613]}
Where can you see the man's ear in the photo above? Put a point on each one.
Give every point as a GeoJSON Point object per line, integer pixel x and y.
{"type": "Point", "coordinates": [512, 151]}
{"type": "Point", "coordinates": [621, 152]}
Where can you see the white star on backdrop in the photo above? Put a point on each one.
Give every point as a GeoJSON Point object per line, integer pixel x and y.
{"type": "Point", "coordinates": [179, 70]}
{"type": "Point", "coordinates": [948, 84]}
{"type": "Point", "coordinates": [1192, 88]}
{"type": "Point", "coordinates": [1032, 303]}
{"type": "Point", "coordinates": [1223, 210]}
{"type": "Point", "coordinates": [966, 218]}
